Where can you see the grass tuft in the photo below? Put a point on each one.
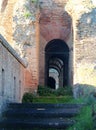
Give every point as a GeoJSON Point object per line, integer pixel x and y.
{"type": "Point", "coordinates": [84, 120]}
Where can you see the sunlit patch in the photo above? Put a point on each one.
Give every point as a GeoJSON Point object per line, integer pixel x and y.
{"type": "Point", "coordinates": [94, 2]}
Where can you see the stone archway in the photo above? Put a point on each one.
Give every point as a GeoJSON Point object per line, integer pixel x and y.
{"type": "Point", "coordinates": [57, 58]}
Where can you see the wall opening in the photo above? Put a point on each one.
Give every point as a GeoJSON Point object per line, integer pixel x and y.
{"type": "Point", "coordinates": [14, 92]}
{"type": "Point", "coordinates": [56, 60]}
{"type": "Point", "coordinates": [19, 89]}
{"type": "Point", "coordinates": [54, 73]}
{"type": "Point", "coordinates": [51, 82]}
{"type": "Point", "coordinates": [3, 82]}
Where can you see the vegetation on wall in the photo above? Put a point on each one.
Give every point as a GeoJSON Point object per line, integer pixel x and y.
{"type": "Point", "coordinates": [27, 14]}
{"type": "Point", "coordinates": [31, 7]}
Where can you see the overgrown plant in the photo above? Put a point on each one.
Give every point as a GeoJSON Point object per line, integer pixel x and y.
{"type": "Point", "coordinates": [27, 97]}
{"type": "Point", "coordinates": [62, 91]}
{"type": "Point", "coordinates": [45, 91]}
{"type": "Point", "coordinates": [48, 95]}
{"type": "Point", "coordinates": [84, 120]}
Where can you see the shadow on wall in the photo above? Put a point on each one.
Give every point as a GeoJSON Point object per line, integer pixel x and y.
{"type": "Point", "coordinates": [83, 90]}
{"type": "Point", "coordinates": [3, 5]}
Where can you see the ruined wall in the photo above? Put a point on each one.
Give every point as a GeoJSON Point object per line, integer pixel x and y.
{"type": "Point", "coordinates": [84, 23]}
{"type": "Point", "coordinates": [26, 35]}
{"type": "Point", "coordinates": [6, 19]}
{"type": "Point", "coordinates": [19, 25]}
{"type": "Point", "coordinates": [12, 75]}
{"type": "Point", "coordinates": [29, 26]}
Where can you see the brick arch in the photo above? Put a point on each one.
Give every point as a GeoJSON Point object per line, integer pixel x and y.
{"type": "Point", "coordinates": [54, 23]}
{"type": "Point", "coordinates": [57, 56]}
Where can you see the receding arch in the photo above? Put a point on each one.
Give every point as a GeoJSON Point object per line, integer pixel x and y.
{"type": "Point", "coordinates": [57, 57]}
{"type": "Point", "coordinates": [52, 46]}
{"type": "Point", "coordinates": [53, 72]}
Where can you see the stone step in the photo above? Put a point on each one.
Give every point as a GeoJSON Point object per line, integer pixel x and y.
{"type": "Point", "coordinates": [41, 112]}
{"type": "Point", "coordinates": [57, 123]}
{"type": "Point", "coordinates": [43, 105]}
{"type": "Point", "coordinates": [39, 115]}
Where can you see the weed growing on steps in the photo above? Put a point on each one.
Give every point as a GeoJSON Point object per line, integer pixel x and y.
{"type": "Point", "coordinates": [84, 120]}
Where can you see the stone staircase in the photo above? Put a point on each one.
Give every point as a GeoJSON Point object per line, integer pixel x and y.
{"type": "Point", "coordinates": [38, 116]}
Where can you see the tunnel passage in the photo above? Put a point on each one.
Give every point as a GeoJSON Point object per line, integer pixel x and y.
{"type": "Point", "coordinates": [56, 63]}
{"type": "Point", "coordinates": [51, 82]}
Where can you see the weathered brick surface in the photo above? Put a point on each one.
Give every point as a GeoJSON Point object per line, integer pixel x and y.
{"type": "Point", "coordinates": [55, 23]}
{"type": "Point", "coordinates": [72, 21]}
{"type": "Point", "coordinates": [52, 22]}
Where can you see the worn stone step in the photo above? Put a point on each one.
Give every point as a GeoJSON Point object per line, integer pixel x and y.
{"type": "Point", "coordinates": [37, 123]}
{"type": "Point", "coordinates": [39, 115]}
{"type": "Point", "coordinates": [42, 112]}
{"type": "Point", "coordinates": [44, 105]}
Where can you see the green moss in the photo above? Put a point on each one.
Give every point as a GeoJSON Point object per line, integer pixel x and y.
{"type": "Point", "coordinates": [53, 99]}
{"type": "Point", "coordinates": [84, 120]}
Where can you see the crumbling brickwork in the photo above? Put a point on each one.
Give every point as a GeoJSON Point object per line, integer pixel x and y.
{"type": "Point", "coordinates": [30, 26]}
{"type": "Point", "coordinates": [55, 23]}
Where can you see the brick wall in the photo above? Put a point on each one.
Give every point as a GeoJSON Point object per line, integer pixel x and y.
{"type": "Point", "coordinates": [55, 23]}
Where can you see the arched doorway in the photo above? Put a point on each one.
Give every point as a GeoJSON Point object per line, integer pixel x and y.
{"type": "Point", "coordinates": [56, 58]}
